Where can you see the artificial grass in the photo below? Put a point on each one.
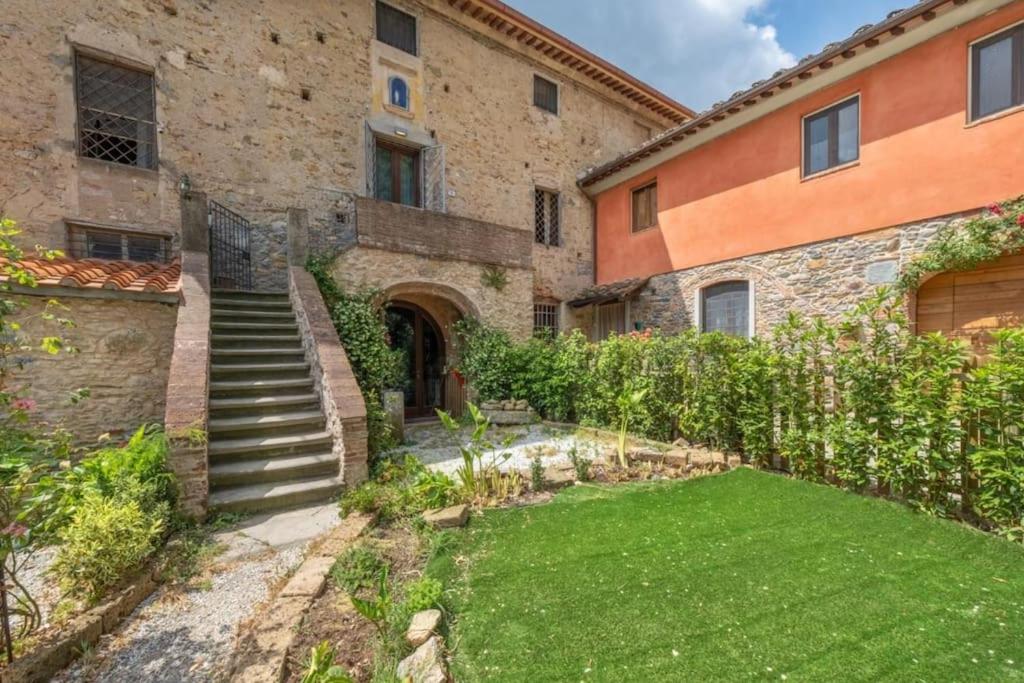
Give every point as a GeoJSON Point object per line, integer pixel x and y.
{"type": "Point", "coordinates": [740, 576]}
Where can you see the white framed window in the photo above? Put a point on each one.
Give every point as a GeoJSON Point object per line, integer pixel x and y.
{"type": "Point", "coordinates": [726, 306]}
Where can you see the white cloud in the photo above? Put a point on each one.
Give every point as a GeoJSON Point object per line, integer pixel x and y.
{"type": "Point", "coordinates": [697, 51]}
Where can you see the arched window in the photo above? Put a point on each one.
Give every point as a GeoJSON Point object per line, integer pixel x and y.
{"type": "Point", "coordinates": [398, 92]}
{"type": "Point", "coordinates": [726, 307]}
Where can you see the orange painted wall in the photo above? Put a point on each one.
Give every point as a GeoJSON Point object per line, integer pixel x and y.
{"type": "Point", "coordinates": [743, 194]}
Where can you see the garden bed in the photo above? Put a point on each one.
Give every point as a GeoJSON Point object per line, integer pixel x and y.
{"type": "Point", "coordinates": [746, 575]}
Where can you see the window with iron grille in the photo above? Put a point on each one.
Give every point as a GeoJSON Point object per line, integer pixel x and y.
{"type": "Point", "coordinates": [396, 28]}
{"type": "Point", "coordinates": [116, 245]}
{"type": "Point", "coordinates": [546, 219]}
{"type": "Point", "coordinates": [645, 207]}
{"type": "Point", "coordinates": [116, 113]}
{"type": "Point", "coordinates": [545, 318]}
{"type": "Point", "coordinates": [725, 307]}
{"type": "Point", "coordinates": [545, 94]}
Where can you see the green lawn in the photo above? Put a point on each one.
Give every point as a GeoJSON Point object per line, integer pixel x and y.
{"type": "Point", "coordinates": [734, 577]}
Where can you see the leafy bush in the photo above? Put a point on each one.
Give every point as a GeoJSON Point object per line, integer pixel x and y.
{"type": "Point", "coordinates": [361, 329]}
{"type": "Point", "coordinates": [105, 539]}
{"type": "Point", "coordinates": [420, 594]}
{"type": "Point", "coordinates": [357, 567]}
{"type": "Point", "coordinates": [399, 489]}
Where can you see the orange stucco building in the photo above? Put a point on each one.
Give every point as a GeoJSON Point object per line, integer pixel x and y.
{"type": "Point", "coordinates": [820, 182]}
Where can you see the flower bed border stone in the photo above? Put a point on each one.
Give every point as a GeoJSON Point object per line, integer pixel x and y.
{"type": "Point", "coordinates": [56, 651]}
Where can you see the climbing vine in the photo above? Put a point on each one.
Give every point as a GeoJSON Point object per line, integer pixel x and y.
{"type": "Point", "coordinates": [998, 231]}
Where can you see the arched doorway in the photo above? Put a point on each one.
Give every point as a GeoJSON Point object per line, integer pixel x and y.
{"type": "Point", "coordinates": [415, 332]}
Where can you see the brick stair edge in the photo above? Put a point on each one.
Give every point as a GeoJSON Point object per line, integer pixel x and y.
{"type": "Point", "coordinates": [262, 650]}
{"type": "Point", "coordinates": [333, 379]}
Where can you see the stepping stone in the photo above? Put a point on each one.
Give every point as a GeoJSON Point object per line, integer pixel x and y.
{"type": "Point", "coordinates": [446, 518]}
{"type": "Point", "coordinates": [423, 625]}
{"type": "Point", "coordinates": [558, 476]}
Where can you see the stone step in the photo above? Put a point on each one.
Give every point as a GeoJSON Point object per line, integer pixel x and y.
{"type": "Point", "coordinates": [229, 327]}
{"type": "Point", "coordinates": [219, 314]}
{"type": "Point", "coordinates": [265, 423]}
{"type": "Point", "coordinates": [258, 370]}
{"type": "Point", "coordinates": [246, 304]}
{"type": "Point", "coordinates": [266, 470]}
{"type": "Point", "coordinates": [221, 450]}
{"type": "Point", "coordinates": [271, 496]}
{"type": "Point", "coordinates": [239, 388]}
{"type": "Point", "coordinates": [247, 294]}
{"type": "Point", "coordinates": [220, 406]}
{"type": "Point", "coordinates": [254, 341]}
{"type": "Point", "coordinates": [295, 354]}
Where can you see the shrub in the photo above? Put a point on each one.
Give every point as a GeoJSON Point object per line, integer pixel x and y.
{"type": "Point", "coordinates": [420, 594]}
{"type": "Point", "coordinates": [105, 539]}
{"type": "Point", "coordinates": [357, 568]}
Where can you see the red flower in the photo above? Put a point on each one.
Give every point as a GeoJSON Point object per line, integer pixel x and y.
{"type": "Point", "coordinates": [14, 530]}
{"type": "Point", "coordinates": [25, 404]}
{"type": "Point", "coordinates": [995, 209]}
{"type": "Point", "coordinates": [1020, 220]}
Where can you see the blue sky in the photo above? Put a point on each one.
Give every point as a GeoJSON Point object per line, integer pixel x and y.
{"type": "Point", "coordinates": [701, 51]}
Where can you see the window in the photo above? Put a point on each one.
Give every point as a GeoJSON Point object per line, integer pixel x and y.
{"type": "Point", "coordinates": [645, 207]}
{"type": "Point", "coordinates": [997, 73]}
{"type": "Point", "coordinates": [832, 137]}
{"type": "Point", "coordinates": [396, 174]}
{"type": "Point", "coordinates": [725, 307]}
{"type": "Point", "coordinates": [545, 94]}
{"type": "Point", "coordinates": [545, 318]}
{"type": "Point", "coordinates": [398, 92]}
{"type": "Point", "coordinates": [396, 28]}
{"type": "Point", "coordinates": [116, 113]}
{"type": "Point", "coordinates": [545, 214]}
{"type": "Point", "coordinates": [115, 245]}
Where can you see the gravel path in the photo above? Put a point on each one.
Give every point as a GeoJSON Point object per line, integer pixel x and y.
{"type": "Point", "coordinates": [439, 451]}
{"type": "Point", "coordinates": [188, 633]}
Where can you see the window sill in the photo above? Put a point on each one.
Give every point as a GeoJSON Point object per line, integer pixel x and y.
{"type": "Point", "coordinates": [830, 171]}
{"type": "Point", "coordinates": [398, 111]}
{"type": "Point", "coordinates": [994, 117]}
{"type": "Point", "coordinates": [639, 231]}
{"type": "Point", "coordinates": [143, 172]}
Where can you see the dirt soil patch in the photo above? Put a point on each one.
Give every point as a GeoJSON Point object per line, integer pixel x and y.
{"type": "Point", "coordinates": [332, 617]}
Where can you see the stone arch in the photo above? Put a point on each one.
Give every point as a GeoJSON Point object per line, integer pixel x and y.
{"type": "Point", "coordinates": [772, 297]}
{"type": "Point", "coordinates": [462, 302]}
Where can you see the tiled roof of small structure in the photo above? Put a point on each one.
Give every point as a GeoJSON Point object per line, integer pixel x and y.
{"type": "Point", "coordinates": [612, 291]}
{"type": "Point", "coordinates": [122, 276]}
{"type": "Point", "coordinates": [864, 38]}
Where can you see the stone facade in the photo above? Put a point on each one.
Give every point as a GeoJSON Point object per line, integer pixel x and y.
{"type": "Point", "coordinates": [124, 351]}
{"type": "Point", "coordinates": [271, 105]}
{"type": "Point", "coordinates": [825, 278]}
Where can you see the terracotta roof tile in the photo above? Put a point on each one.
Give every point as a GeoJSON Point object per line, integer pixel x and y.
{"type": "Point", "coordinates": [612, 291]}
{"type": "Point", "coordinates": [122, 276]}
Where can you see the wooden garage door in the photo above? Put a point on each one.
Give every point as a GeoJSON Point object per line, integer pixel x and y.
{"type": "Point", "coordinates": [970, 304]}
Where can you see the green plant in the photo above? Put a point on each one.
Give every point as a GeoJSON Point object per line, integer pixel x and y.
{"type": "Point", "coordinates": [536, 474]}
{"type": "Point", "coordinates": [629, 403]}
{"type": "Point", "coordinates": [480, 477]}
{"type": "Point", "coordinates": [494, 277]}
{"type": "Point", "coordinates": [357, 567]}
{"type": "Point", "coordinates": [104, 540]}
{"type": "Point", "coordinates": [362, 331]}
{"type": "Point", "coordinates": [320, 667]}
{"type": "Point", "coordinates": [580, 464]}
{"type": "Point", "coordinates": [423, 593]}
{"type": "Point", "coordinates": [378, 608]}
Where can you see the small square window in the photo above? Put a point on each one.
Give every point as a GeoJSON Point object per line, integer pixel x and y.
{"type": "Point", "coordinates": [396, 28]}
{"type": "Point", "coordinates": [997, 73]}
{"type": "Point", "coordinates": [645, 207]}
{"type": "Point", "coordinates": [832, 137]}
{"type": "Point", "coordinates": [545, 318]}
{"type": "Point", "coordinates": [545, 94]}
{"type": "Point", "coordinates": [546, 227]}
{"type": "Point", "coordinates": [116, 113]}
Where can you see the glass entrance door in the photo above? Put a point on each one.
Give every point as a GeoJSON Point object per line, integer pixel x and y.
{"type": "Point", "coordinates": [417, 336]}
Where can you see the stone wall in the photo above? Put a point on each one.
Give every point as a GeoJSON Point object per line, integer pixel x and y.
{"type": "Point", "coordinates": [825, 278]}
{"type": "Point", "coordinates": [265, 105]}
{"type": "Point", "coordinates": [458, 282]}
{"type": "Point", "coordinates": [124, 351]}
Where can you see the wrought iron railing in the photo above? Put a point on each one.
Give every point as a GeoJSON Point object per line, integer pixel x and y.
{"type": "Point", "coordinates": [230, 248]}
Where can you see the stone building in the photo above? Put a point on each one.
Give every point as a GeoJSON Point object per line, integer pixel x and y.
{"type": "Point", "coordinates": [429, 149]}
{"type": "Point", "coordinates": [820, 183]}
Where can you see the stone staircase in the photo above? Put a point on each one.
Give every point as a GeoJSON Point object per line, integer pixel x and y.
{"type": "Point", "coordinates": [269, 447]}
